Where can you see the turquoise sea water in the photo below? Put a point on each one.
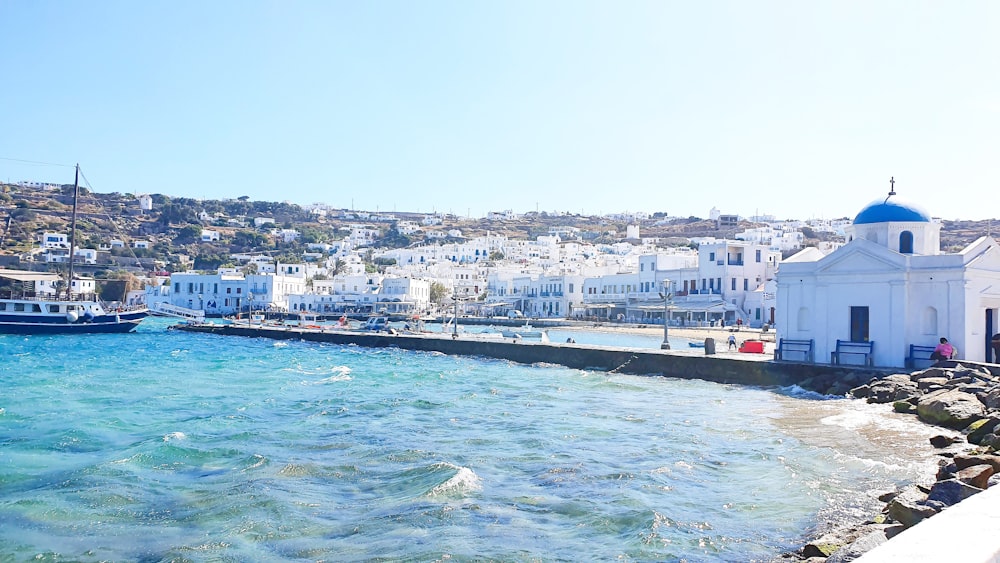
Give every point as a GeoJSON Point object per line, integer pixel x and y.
{"type": "Point", "coordinates": [162, 445]}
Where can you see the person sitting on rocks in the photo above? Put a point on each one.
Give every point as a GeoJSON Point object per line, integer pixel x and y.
{"type": "Point", "coordinates": [943, 351]}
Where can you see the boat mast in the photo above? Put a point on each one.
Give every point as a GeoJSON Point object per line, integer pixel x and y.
{"type": "Point", "coordinates": [72, 233]}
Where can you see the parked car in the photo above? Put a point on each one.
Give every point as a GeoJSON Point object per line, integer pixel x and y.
{"type": "Point", "coordinates": [515, 314]}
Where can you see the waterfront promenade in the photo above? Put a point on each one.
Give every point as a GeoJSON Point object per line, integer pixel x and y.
{"type": "Point", "coordinates": [688, 363]}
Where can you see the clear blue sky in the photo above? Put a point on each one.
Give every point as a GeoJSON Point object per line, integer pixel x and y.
{"type": "Point", "coordinates": [797, 109]}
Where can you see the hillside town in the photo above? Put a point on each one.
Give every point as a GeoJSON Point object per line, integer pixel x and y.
{"type": "Point", "coordinates": [203, 258]}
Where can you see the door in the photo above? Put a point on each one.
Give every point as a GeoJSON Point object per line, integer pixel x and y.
{"type": "Point", "coordinates": [859, 324]}
{"type": "Point", "coordinates": [990, 326]}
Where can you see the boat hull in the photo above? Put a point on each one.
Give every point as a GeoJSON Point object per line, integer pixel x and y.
{"type": "Point", "coordinates": [102, 324]}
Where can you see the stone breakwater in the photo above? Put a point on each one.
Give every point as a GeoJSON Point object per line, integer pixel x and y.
{"type": "Point", "coordinates": [952, 395]}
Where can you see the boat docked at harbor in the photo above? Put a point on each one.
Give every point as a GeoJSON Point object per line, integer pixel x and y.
{"type": "Point", "coordinates": [30, 302]}
{"type": "Point", "coordinates": [524, 331]}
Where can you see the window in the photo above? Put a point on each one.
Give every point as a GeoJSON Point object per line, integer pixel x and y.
{"type": "Point", "coordinates": [758, 256]}
{"type": "Point", "coordinates": [734, 284]}
{"type": "Point", "coordinates": [53, 308]}
{"type": "Point", "coordinates": [229, 290]}
{"type": "Point", "coordinates": [859, 324]}
{"type": "Point", "coordinates": [746, 284]}
{"type": "Point", "coordinates": [711, 257]}
{"type": "Point", "coordinates": [177, 287]}
{"type": "Point", "coordinates": [906, 242]}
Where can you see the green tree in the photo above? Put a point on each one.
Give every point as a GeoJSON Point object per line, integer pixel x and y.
{"type": "Point", "coordinates": [438, 292]}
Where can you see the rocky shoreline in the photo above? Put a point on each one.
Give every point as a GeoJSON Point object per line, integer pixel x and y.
{"type": "Point", "coordinates": [953, 395]}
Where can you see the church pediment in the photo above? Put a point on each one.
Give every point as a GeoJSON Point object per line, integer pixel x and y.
{"type": "Point", "coordinates": [984, 255]}
{"type": "Point", "coordinates": [862, 257]}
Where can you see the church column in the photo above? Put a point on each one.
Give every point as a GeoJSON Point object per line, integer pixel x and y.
{"type": "Point", "coordinates": [893, 352]}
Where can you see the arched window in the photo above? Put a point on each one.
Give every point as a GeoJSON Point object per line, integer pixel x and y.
{"type": "Point", "coordinates": [802, 323]}
{"type": "Point", "coordinates": [929, 322]}
{"type": "Point", "coordinates": [906, 242]}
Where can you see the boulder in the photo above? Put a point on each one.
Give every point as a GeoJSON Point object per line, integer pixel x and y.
{"type": "Point", "coordinates": [860, 546]}
{"type": "Point", "coordinates": [949, 408]}
{"type": "Point", "coordinates": [895, 387]}
{"type": "Point", "coordinates": [931, 372]}
{"type": "Point", "coordinates": [951, 492]}
{"type": "Point", "coordinates": [824, 546]}
{"type": "Point", "coordinates": [991, 398]}
{"type": "Point", "coordinates": [932, 383]}
{"type": "Point", "coordinates": [903, 407]}
{"type": "Point", "coordinates": [946, 469]}
{"type": "Point", "coordinates": [907, 507]}
{"type": "Point", "coordinates": [975, 431]}
{"type": "Point", "coordinates": [965, 460]}
{"type": "Point", "coordinates": [942, 441]}
{"type": "Point", "coordinates": [978, 475]}
{"type": "Point", "coordinates": [860, 392]}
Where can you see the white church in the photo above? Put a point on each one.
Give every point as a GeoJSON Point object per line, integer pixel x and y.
{"type": "Point", "coordinates": [892, 287]}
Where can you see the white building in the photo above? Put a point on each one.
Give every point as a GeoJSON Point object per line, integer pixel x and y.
{"type": "Point", "coordinates": [229, 293]}
{"type": "Point", "coordinates": [728, 271]}
{"type": "Point", "coordinates": [208, 235]}
{"type": "Point", "coordinates": [891, 286]}
{"type": "Point", "coordinates": [54, 240]}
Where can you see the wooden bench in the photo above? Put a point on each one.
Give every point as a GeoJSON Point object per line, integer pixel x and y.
{"type": "Point", "coordinates": [848, 348]}
{"type": "Point", "coordinates": [788, 346]}
{"type": "Point", "coordinates": [919, 354]}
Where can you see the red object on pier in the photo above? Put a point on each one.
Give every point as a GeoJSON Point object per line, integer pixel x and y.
{"type": "Point", "coordinates": [752, 346]}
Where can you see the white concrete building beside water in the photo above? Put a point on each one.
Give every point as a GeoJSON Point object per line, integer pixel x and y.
{"type": "Point", "coordinates": [892, 287]}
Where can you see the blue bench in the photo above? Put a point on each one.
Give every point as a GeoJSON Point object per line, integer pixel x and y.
{"type": "Point", "coordinates": [795, 348]}
{"type": "Point", "coordinates": [848, 348]}
{"type": "Point", "coordinates": [919, 354]}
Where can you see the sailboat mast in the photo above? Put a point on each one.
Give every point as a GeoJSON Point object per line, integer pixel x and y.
{"type": "Point", "coordinates": [72, 233]}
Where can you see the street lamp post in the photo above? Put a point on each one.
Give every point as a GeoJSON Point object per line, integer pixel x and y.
{"type": "Point", "coordinates": [666, 314]}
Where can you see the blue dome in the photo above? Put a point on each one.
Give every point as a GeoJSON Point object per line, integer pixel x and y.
{"type": "Point", "coordinates": [891, 210]}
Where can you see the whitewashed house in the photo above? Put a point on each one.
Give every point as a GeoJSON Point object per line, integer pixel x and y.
{"type": "Point", "coordinates": [229, 293]}
{"type": "Point", "coordinates": [892, 287]}
{"type": "Point", "coordinates": [54, 240]}
{"type": "Point", "coordinates": [208, 235]}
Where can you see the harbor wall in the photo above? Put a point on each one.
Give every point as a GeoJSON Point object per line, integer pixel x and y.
{"type": "Point", "coordinates": [681, 364]}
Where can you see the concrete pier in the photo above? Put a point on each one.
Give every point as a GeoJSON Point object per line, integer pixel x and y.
{"type": "Point", "coordinates": [742, 369]}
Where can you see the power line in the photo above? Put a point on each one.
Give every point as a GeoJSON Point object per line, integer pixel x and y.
{"type": "Point", "coordinates": [37, 162]}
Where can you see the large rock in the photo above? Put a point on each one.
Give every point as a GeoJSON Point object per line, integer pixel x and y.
{"type": "Point", "coordinates": [932, 383]}
{"type": "Point", "coordinates": [895, 387]}
{"type": "Point", "coordinates": [931, 372]}
{"type": "Point", "coordinates": [907, 507]}
{"type": "Point", "coordinates": [950, 408]}
{"type": "Point", "coordinates": [951, 492]}
{"type": "Point", "coordinates": [991, 398]}
{"type": "Point", "coordinates": [978, 475]}
{"type": "Point", "coordinates": [860, 546]}
{"type": "Point", "coordinates": [979, 428]}
{"type": "Point", "coordinates": [963, 460]}
{"type": "Point", "coordinates": [824, 546]}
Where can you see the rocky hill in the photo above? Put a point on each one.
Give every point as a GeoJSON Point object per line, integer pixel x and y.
{"type": "Point", "coordinates": [173, 227]}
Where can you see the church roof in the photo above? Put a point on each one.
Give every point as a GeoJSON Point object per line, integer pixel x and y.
{"type": "Point", "coordinates": [891, 210]}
